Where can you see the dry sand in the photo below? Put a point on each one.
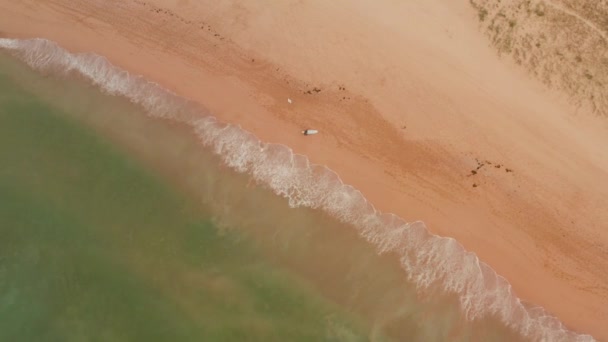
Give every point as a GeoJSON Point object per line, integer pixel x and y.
{"type": "Point", "coordinates": [410, 97]}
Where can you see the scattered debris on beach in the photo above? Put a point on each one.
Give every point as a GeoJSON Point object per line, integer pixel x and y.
{"type": "Point", "coordinates": [481, 164]}
{"type": "Point", "coordinates": [314, 90]}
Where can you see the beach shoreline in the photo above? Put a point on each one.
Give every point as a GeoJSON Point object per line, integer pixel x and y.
{"type": "Point", "coordinates": [521, 222]}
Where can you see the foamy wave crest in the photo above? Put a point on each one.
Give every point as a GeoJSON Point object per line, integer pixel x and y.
{"type": "Point", "coordinates": [430, 261]}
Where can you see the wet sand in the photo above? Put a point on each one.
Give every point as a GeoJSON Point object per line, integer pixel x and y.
{"type": "Point", "coordinates": [407, 110]}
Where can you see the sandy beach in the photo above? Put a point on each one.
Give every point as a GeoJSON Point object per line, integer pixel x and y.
{"type": "Point", "coordinates": [415, 107]}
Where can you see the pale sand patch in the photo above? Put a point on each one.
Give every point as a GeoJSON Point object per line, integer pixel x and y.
{"type": "Point", "coordinates": [379, 68]}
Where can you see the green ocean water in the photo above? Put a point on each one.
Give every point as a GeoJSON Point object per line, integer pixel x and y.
{"type": "Point", "coordinates": [98, 245]}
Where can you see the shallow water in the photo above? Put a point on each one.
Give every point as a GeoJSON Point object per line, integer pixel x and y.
{"type": "Point", "coordinates": [96, 246]}
{"type": "Point", "coordinates": [123, 224]}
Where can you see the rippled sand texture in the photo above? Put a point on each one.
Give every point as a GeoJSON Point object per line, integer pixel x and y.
{"type": "Point", "coordinates": [564, 43]}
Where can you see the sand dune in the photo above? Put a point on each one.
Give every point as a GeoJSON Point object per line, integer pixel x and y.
{"type": "Point", "coordinates": [561, 43]}
{"type": "Point", "coordinates": [415, 108]}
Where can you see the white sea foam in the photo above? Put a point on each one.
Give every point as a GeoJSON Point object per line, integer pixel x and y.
{"type": "Point", "coordinates": [430, 261]}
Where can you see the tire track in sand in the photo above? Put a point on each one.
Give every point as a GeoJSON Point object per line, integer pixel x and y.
{"type": "Point", "coordinates": [571, 13]}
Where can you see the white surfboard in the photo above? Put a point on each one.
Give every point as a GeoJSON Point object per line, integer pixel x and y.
{"type": "Point", "coordinates": [310, 132]}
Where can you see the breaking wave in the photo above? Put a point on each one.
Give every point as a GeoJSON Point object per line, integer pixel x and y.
{"type": "Point", "coordinates": [430, 261]}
